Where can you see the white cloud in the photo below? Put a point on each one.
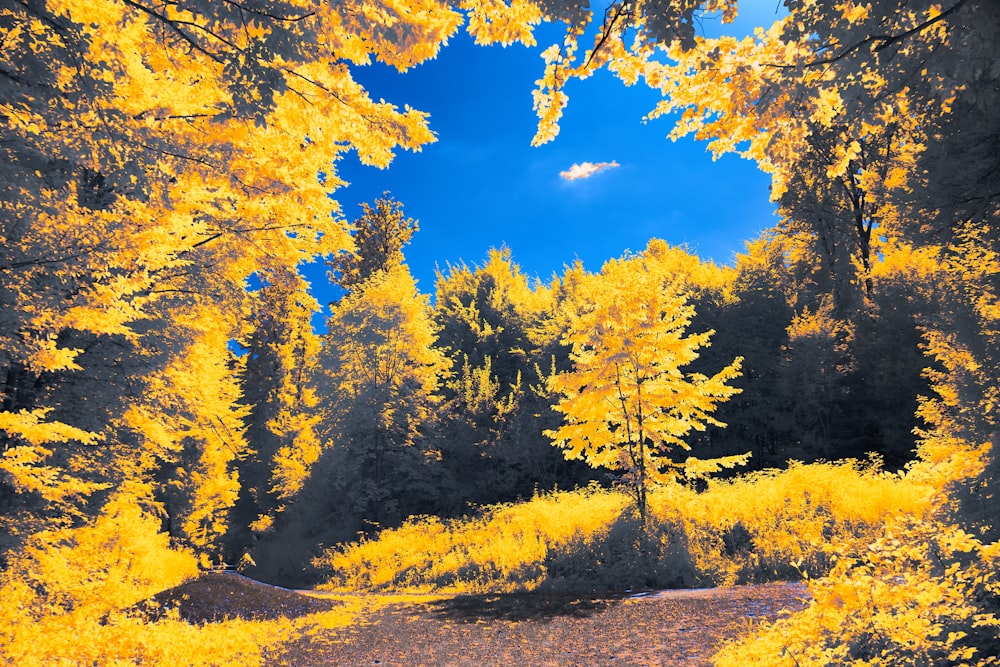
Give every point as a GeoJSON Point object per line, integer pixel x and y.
{"type": "Point", "coordinates": [587, 169]}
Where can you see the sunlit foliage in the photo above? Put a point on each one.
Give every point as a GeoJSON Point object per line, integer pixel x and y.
{"type": "Point", "coordinates": [69, 596]}
{"type": "Point", "coordinates": [627, 401]}
{"type": "Point", "coordinates": [920, 594]}
{"type": "Point", "coordinates": [497, 325]}
{"type": "Point", "coordinates": [772, 525]}
{"type": "Point", "coordinates": [157, 157]}
{"type": "Point", "coordinates": [278, 384]}
{"type": "Point", "coordinates": [501, 551]}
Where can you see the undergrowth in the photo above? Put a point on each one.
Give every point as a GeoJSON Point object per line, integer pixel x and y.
{"type": "Point", "coordinates": [924, 592]}
{"type": "Point", "coordinates": [762, 527]}
{"type": "Point", "coordinates": [921, 594]}
{"type": "Point", "coordinates": [503, 550]}
{"type": "Point", "coordinates": [892, 581]}
{"type": "Point", "coordinates": [69, 596]}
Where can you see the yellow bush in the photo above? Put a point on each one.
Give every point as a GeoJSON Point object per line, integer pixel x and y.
{"type": "Point", "coordinates": [502, 550]}
{"type": "Point", "coordinates": [921, 594]}
{"type": "Point", "coordinates": [781, 524]}
{"type": "Point", "coordinates": [73, 639]}
{"type": "Point", "coordinates": [64, 596]}
{"type": "Point", "coordinates": [764, 526]}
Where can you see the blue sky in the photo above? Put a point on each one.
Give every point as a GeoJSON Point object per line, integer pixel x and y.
{"type": "Point", "coordinates": [482, 185]}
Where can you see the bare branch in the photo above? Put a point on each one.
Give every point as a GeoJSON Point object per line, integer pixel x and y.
{"type": "Point", "coordinates": [173, 26]}
{"type": "Point", "coordinates": [260, 12]}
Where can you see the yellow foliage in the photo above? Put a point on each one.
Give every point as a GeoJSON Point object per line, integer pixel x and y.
{"type": "Point", "coordinates": [764, 526]}
{"type": "Point", "coordinates": [24, 465]}
{"type": "Point", "coordinates": [122, 641]}
{"type": "Point", "coordinates": [381, 361]}
{"type": "Point", "coordinates": [65, 599]}
{"type": "Point", "coordinates": [494, 21]}
{"type": "Point", "coordinates": [28, 425]}
{"type": "Point", "coordinates": [190, 409]}
{"type": "Point", "coordinates": [917, 595]}
{"type": "Point", "coordinates": [627, 402]}
{"type": "Point", "coordinates": [62, 595]}
{"type": "Point", "coordinates": [115, 561]}
{"type": "Point", "coordinates": [784, 524]}
{"type": "Point", "coordinates": [501, 551]}
{"type": "Point", "coordinates": [695, 468]}
{"type": "Point", "coordinates": [853, 12]}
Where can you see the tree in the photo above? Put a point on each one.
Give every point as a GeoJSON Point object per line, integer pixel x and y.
{"type": "Point", "coordinates": [379, 387]}
{"type": "Point", "coordinates": [154, 157]}
{"type": "Point", "coordinates": [491, 311]}
{"type": "Point", "coordinates": [627, 402]}
{"type": "Point", "coordinates": [379, 237]}
{"type": "Point", "coordinates": [753, 324]}
{"type": "Point", "coordinates": [278, 382]}
{"type": "Point", "coordinates": [494, 323]}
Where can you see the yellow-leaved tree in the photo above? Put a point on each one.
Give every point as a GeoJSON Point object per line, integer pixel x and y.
{"type": "Point", "coordinates": [628, 403]}
{"type": "Point", "coordinates": [145, 176]}
{"type": "Point", "coordinates": [154, 157]}
{"type": "Point", "coordinates": [379, 386]}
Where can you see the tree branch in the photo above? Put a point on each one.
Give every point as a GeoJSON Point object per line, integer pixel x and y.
{"type": "Point", "coordinates": [884, 41]}
{"type": "Point", "coordinates": [260, 12]}
{"type": "Point", "coordinates": [621, 9]}
{"type": "Point", "coordinates": [173, 26]}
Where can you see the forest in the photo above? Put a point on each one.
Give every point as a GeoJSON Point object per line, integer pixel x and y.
{"type": "Point", "coordinates": [825, 408]}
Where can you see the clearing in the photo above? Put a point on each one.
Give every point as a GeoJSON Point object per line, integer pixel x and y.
{"type": "Point", "coordinates": [676, 627]}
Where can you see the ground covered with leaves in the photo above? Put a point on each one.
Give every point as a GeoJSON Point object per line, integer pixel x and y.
{"type": "Point", "coordinates": [683, 627]}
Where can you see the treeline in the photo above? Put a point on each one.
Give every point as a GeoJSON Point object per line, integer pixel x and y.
{"type": "Point", "coordinates": [158, 158]}
{"type": "Point", "coordinates": [412, 405]}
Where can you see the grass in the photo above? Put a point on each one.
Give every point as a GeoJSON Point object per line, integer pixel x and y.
{"type": "Point", "coordinates": [70, 597]}
{"type": "Point", "coordinates": [774, 525]}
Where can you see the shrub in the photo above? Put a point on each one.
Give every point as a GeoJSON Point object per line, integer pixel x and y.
{"type": "Point", "coordinates": [64, 599]}
{"type": "Point", "coordinates": [920, 594]}
{"type": "Point", "coordinates": [623, 558]}
{"type": "Point", "coordinates": [761, 527]}
{"type": "Point", "coordinates": [786, 524]}
{"type": "Point", "coordinates": [503, 550]}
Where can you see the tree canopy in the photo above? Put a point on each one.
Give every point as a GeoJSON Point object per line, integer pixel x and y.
{"type": "Point", "coordinates": [168, 168]}
{"type": "Point", "coordinates": [627, 402]}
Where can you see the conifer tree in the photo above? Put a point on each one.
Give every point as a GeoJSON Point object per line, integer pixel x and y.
{"type": "Point", "coordinates": [380, 373]}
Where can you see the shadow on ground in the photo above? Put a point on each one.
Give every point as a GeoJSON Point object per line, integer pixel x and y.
{"type": "Point", "coordinates": [517, 607]}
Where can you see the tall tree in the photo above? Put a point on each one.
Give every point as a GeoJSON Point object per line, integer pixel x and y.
{"type": "Point", "coordinates": [379, 388]}
{"type": "Point", "coordinates": [494, 323]}
{"type": "Point", "coordinates": [627, 402]}
{"type": "Point", "coordinates": [278, 378]}
{"type": "Point", "coordinates": [379, 237]}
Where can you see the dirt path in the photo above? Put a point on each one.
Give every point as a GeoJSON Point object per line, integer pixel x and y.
{"type": "Point", "coordinates": [681, 628]}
